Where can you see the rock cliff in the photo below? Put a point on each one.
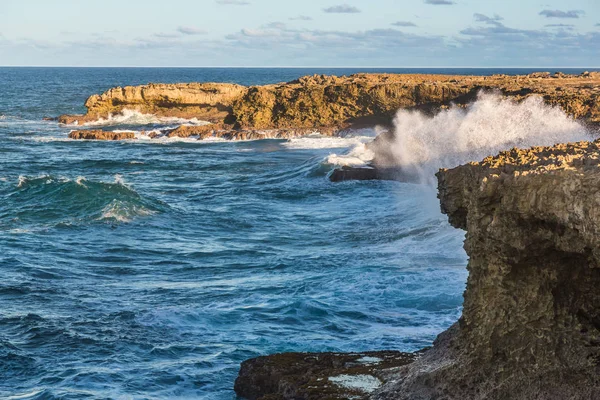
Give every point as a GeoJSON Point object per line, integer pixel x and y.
{"type": "Point", "coordinates": [530, 327]}
{"type": "Point", "coordinates": [316, 102]}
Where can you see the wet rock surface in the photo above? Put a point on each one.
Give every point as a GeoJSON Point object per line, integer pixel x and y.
{"type": "Point", "coordinates": [316, 376]}
{"type": "Point", "coordinates": [96, 134]}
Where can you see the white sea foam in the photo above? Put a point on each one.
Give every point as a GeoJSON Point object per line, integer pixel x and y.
{"type": "Point", "coordinates": [131, 117]}
{"type": "Point", "coordinates": [359, 156]}
{"type": "Point", "coordinates": [121, 211]}
{"type": "Point", "coordinates": [363, 383]}
{"type": "Point", "coordinates": [491, 124]}
{"type": "Point", "coordinates": [320, 142]}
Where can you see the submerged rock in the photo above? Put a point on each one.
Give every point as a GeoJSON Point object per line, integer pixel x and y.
{"type": "Point", "coordinates": [101, 135]}
{"type": "Point", "coordinates": [317, 376]}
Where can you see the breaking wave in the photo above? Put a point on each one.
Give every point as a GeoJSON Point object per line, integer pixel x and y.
{"type": "Point", "coordinates": [131, 117]}
{"type": "Point", "coordinates": [47, 201]}
{"type": "Point", "coordinates": [455, 136]}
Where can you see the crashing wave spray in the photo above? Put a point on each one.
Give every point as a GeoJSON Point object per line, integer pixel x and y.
{"type": "Point", "coordinates": [455, 136]}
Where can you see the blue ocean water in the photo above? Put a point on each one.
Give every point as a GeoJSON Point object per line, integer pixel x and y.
{"type": "Point", "coordinates": [152, 269]}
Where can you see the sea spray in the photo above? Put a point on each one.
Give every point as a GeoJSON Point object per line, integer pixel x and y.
{"type": "Point", "coordinates": [423, 144]}
{"type": "Point", "coordinates": [132, 117]}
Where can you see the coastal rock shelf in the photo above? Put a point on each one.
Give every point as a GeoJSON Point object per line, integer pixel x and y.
{"type": "Point", "coordinates": [332, 103]}
{"type": "Point", "coordinates": [309, 376]}
{"type": "Point", "coordinates": [530, 327]}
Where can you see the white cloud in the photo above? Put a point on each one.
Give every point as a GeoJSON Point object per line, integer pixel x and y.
{"type": "Point", "coordinates": [342, 9]}
{"type": "Point", "coordinates": [404, 24]}
{"type": "Point", "coordinates": [562, 14]}
{"type": "Point", "coordinates": [439, 2]}
{"type": "Point", "coordinates": [188, 30]}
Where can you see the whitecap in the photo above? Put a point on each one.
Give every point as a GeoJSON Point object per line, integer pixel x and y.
{"type": "Point", "coordinates": [121, 211]}
{"type": "Point", "coordinates": [131, 117]}
{"type": "Point", "coordinates": [324, 142]}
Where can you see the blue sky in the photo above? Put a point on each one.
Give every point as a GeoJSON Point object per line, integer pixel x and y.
{"type": "Point", "coordinates": [394, 33]}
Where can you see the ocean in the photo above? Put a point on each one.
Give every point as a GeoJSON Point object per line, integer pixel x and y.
{"type": "Point", "coordinates": [152, 269]}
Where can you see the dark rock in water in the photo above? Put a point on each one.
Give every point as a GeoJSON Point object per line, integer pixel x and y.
{"type": "Point", "coordinates": [306, 376]}
{"type": "Point", "coordinates": [346, 173]}
{"type": "Point", "coordinates": [101, 135]}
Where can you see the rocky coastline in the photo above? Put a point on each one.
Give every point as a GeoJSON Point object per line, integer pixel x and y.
{"type": "Point", "coordinates": [530, 327]}
{"type": "Point", "coordinates": [323, 104]}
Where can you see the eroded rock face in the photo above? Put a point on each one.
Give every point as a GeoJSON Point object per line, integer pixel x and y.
{"type": "Point", "coordinates": [530, 328]}
{"type": "Point", "coordinates": [329, 101]}
{"type": "Point", "coordinates": [531, 321]}
{"type": "Point", "coordinates": [205, 101]}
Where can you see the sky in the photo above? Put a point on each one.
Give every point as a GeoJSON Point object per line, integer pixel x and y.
{"type": "Point", "coordinates": [316, 33]}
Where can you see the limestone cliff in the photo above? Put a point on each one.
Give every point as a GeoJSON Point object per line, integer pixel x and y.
{"type": "Point", "coordinates": [530, 327]}
{"type": "Point", "coordinates": [205, 101]}
{"type": "Point", "coordinates": [329, 101]}
{"type": "Point", "coordinates": [531, 321]}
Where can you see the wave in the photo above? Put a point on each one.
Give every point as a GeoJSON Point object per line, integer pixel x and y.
{"type": "Point", "coordinates": [47, 201]}
{"type": "Point", "coordinates": [359, 156]}
{"type": "Point", "coordinates": [424, 144]}
{"type": "Point", "coordinates": [319, 142]}
{"type": "Point", "coordinates": [131, 117]}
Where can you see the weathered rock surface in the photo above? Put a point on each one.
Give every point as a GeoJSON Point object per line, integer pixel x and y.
{"type": "Point", "coordinates": [530, 327]}
{"type": "Point", "coordinates": [329, 101]}
{"type": "Point", "coordinates": [206, 101]}
{"type": "Point", "coordinates": [531, 321]}
{"type": "Point", "coordinates": [101, 135]}
{"type": "Point", "coordinates": [319, 376]}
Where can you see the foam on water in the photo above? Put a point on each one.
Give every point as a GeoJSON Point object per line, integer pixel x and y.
{"type": "Point", "coordinates": [324, 142]}
{"type": "Point", "coordinates": [359, 156]}
{"type": "Point", "coordinates": [423, 144]}
{"type": "Point", "coordinates": [131, 117]}
{"type": "Point", "coordinates": [45, 201]}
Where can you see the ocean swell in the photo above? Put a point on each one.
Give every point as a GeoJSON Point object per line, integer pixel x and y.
{"type": "Point", "coordinates": [47, 201]}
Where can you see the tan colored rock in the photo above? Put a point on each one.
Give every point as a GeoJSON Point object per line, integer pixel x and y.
{"type": "Point", "coordinates": [184, 131]}
{"type": "Point", "coordinates": [530, 327]}
{"type": "Point", "coordinates": [101, 135]}
{"type": "Point", "coordinates": [326, 101]}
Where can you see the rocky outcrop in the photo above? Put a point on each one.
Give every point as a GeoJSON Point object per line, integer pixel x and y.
{"type": "Point", "coordinates": [101, 135]}
{"type": "Point", "coordinates": [308, 376]}
{"type": "Point", "coordinates": [530, 327]}
{"type": "Point", "coordinates": [336, 102]}
{"type": "Point", "coordinates": [200, 132]}
{"type": "Point", "coordinates": [205, 101]}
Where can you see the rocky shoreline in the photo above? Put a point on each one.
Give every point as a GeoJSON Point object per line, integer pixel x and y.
{"type": "Point", "coordinates": [530, 327]}
{"type": "Point", "coordinates": [327, 104]}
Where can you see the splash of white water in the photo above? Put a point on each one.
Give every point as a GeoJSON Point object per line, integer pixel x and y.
{"type": "Point", "coordinates": [491, 124]}
{"type": "Point", "coordinates": [132, 117]}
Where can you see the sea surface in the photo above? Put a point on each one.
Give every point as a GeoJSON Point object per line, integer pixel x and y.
{"type": "Point", "coordinates": [152, 269]}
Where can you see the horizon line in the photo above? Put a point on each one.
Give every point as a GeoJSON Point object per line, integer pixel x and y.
{"type": "Point", "coordinates": [287, 67]}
